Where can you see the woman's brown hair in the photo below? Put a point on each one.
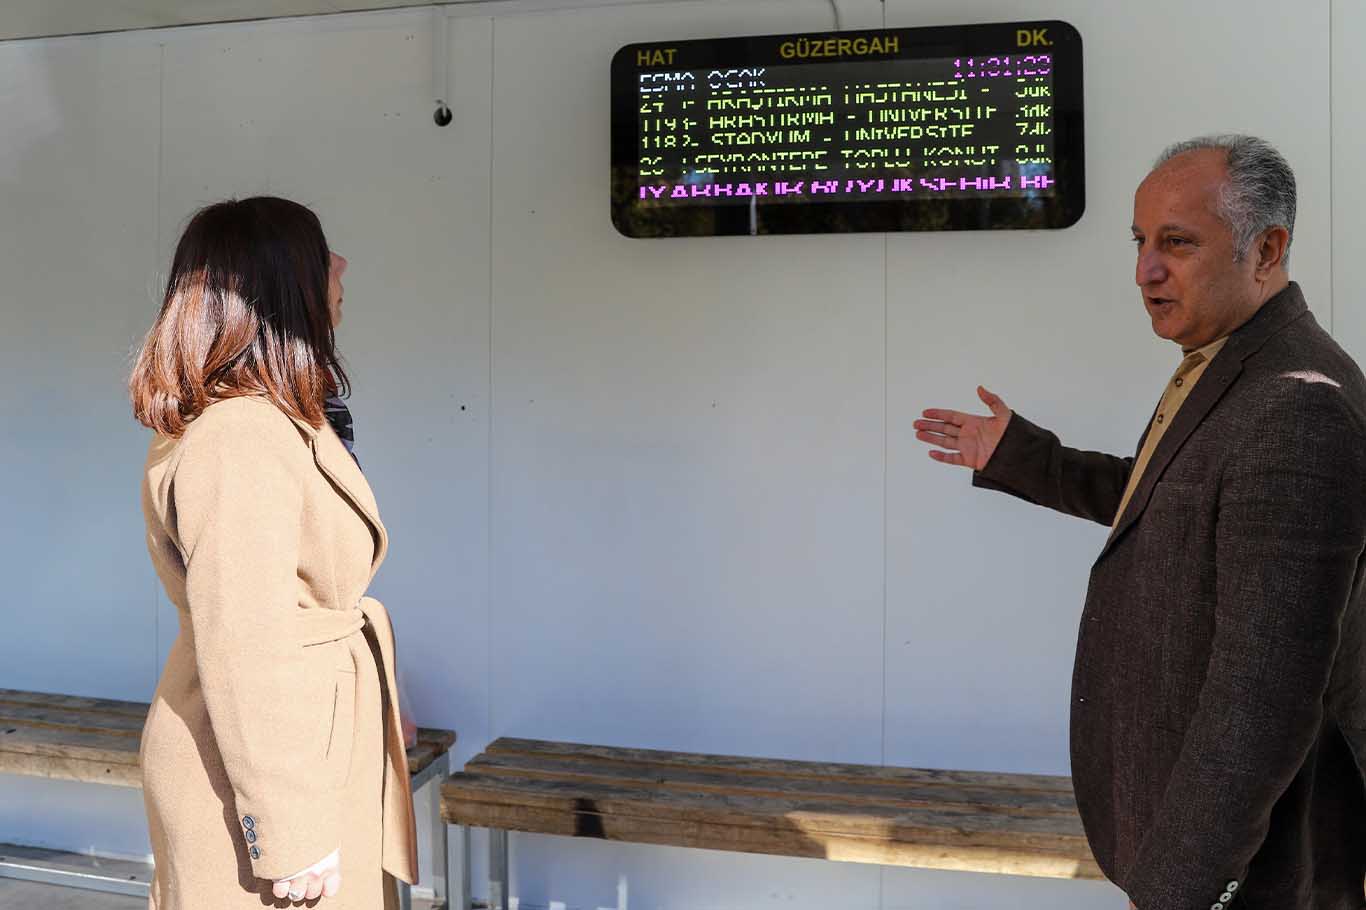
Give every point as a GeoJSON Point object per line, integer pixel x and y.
{"type": "Point", "coordinates": [245, 313]}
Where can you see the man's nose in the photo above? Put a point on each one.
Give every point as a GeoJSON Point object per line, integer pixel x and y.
{"type": "Point", "coordinates": [1150, 269]}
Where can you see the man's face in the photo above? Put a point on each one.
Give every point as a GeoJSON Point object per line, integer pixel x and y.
{"type": "Point", "coordinates": [1193, 290]}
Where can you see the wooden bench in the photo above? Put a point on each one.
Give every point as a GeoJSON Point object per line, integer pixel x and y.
{"type": "Point", "coordinates": [1020, 824]}
{"type": "Point", "coordinates": [95, 740]}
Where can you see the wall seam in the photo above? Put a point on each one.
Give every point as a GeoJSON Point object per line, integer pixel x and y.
{"type": "Point", "coordinates": [881, 871]}
{"type": "Point", "coordinates": [1332, 219]}
{"type": "Point", "coordinates": [488, 563]}
{"type": "Point", "coordinates": [886, 261]}
{"type": "Point", "coordinates": [156, 263]}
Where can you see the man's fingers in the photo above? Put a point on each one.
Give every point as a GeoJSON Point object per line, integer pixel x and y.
{"type": "Point", "coordinates": [993, 401]}
{"type": "Point", "coordinates": [937, 426]}
{"type": "Point", "coordinates": [332, 884]}
{"type": "Point", "coordinates": [315, 888]}
{"type": "Point", "coordinates": [938, 439]}
{"type": "Point", "coordinates": [947, 457]}
{"type": "Point", "coordinates": [954, 417]}
{"type": "Point", "coordinates": [280, 889]}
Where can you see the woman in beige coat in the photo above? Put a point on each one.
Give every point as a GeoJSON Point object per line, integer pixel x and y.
{"type": "Point", "coordinates": [272, 758]}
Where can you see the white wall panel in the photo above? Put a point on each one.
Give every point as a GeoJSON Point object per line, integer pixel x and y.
{"type": "Point", "coordinates": [77, 166]}
{"type": "Point", "coordinates": [77, 178]}
{"type": "Point", "coordinates": [1348, 133]}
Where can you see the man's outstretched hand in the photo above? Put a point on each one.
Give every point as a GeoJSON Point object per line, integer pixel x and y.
{"type": "Point", "coordinates": [969, 438]}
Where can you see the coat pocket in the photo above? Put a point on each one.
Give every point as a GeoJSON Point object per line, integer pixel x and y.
{"type": "Point", "coordinates": [341, 730]}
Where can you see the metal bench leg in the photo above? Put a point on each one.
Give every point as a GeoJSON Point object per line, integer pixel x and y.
{"type": "Point", "coordinates": [498, 869]}
{"type": "Point", "coordinates": [440, 838]}
{"type": "Point", "coordinates": [462, 839]}
{"type": "Point", "coordinates": [405, 895]}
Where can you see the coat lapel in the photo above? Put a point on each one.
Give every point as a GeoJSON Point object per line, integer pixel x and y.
{"type": "Point", "coordinates": [338, 466]}
{"type": "Point", "coordinates": [1219, 376]}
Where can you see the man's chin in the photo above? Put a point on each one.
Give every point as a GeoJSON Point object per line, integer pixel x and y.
{"type": "Point", "coordinates": [1163, 326]}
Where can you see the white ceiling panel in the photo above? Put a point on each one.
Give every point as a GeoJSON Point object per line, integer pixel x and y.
{"type": "Point", "coordinates": [43, 18]}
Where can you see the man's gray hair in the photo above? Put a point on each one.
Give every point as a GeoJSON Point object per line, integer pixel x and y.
{"type": "Point", "coordinates": [1259, 192]}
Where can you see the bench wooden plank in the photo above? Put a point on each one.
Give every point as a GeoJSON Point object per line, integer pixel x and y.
{"type": "Point", "coordinates": [39, 740]}
{"type": "Point", "coordinates": [815, 815]}
{"type": "Point", "coordinates": [771, 767]}
{"type": "Point", "coordinates": [69, 755]}
{"type": "Point", "coordinates": [1051, 846]}
{"type": "Point", "coordinates": [711, 780]}
{"type": "Point", "coordinates": [62, 767]}
{"type": "Point", "coordinates": [701, 835]}
{"type": "Point", "coordinates": [86, 721]}
{"type": "Point", "coordinates": [431, 744]}
{"type": "Point", "coordinates": [96, 740]}
{"type": "Point", "coordinates": [1023, 824]}
{"type": "Point", "coordinates": [435, 735]}
{"type": "Point", "coordinates": [73, 702]}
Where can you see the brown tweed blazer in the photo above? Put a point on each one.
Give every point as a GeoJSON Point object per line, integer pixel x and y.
{"type": "Point", "coordinates": [1218, 713]}
{"type": "Point", "coordinates": [255, 764]}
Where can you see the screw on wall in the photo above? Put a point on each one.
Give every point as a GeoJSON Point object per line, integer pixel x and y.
{"type": "Point", "coordinates": [441, 80]}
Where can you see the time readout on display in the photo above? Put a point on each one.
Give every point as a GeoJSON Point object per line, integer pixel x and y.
{"type": "Point", "coordinates": [847, 130]}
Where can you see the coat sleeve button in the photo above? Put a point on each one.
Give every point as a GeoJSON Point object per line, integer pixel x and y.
{"type": "Point", "coordinates": [255, 852]}
{"type": "Point", "coordinates": [248, 822]}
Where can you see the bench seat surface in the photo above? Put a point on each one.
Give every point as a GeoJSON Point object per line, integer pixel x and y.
{"type": "Point", "coordinates": [71, 737]}
{"type": "Point", "coordinates": [1021, 824]}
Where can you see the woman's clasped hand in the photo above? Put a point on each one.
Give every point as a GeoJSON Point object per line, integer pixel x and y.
{"type": "Point", "coordinates": [322, 879]}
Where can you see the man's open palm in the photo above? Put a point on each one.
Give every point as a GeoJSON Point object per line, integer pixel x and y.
{"type": "Point", "coordinates": [969, 438]}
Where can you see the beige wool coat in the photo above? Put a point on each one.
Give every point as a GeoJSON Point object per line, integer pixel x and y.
{"type": "Point", "coordinates": [272, 737]}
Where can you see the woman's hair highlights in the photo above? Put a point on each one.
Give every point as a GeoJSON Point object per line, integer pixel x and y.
{"type": "Point", "coordinates": [245, 313]}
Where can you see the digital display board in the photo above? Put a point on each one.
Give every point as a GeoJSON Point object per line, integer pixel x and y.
{"type": "Point", "coordinates": [946, 128]}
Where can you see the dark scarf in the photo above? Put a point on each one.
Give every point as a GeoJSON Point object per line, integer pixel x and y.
{"type": "Point", "coordinates": [339, 416]}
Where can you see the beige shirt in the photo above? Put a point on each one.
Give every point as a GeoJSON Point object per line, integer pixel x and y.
{"type": "Point", "coordinates": [1178, 389]}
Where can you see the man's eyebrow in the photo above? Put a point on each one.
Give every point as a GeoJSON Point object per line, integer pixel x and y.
{"type": "Point", "coordinates": [1165, 228]}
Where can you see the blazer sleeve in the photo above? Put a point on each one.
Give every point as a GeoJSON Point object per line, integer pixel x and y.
{"type": "Point", "coordinates": [1031, 464]}
{"type": "Point", "coordinates": [1289, 537]}
{"type": "Point", "coordinates": [238, 499]}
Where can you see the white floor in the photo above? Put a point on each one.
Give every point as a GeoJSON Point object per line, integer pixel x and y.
{"type": "Point", "coordinates": [17, 895]}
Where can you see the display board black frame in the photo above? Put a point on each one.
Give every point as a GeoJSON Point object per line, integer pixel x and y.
{"type": "Point", "coordinates": [1058, 209]}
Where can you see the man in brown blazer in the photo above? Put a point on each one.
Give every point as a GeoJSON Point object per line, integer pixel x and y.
{"type": "Point", "coordinates": [1218, 711]}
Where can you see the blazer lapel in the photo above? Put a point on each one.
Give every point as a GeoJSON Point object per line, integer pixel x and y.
{"type": "Point", "coordinates": [1219, 376]}
{"type": "Point", "coordinates": [338, 466]}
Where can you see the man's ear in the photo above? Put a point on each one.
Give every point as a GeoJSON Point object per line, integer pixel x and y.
{"type": "Point", "coordinates": [1271, 248]}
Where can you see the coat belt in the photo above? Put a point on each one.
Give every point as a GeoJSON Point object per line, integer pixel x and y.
{"type": "Point", "coordinates": [400, 826]}
{"type": "Point", "coordinates": [323, 625]}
